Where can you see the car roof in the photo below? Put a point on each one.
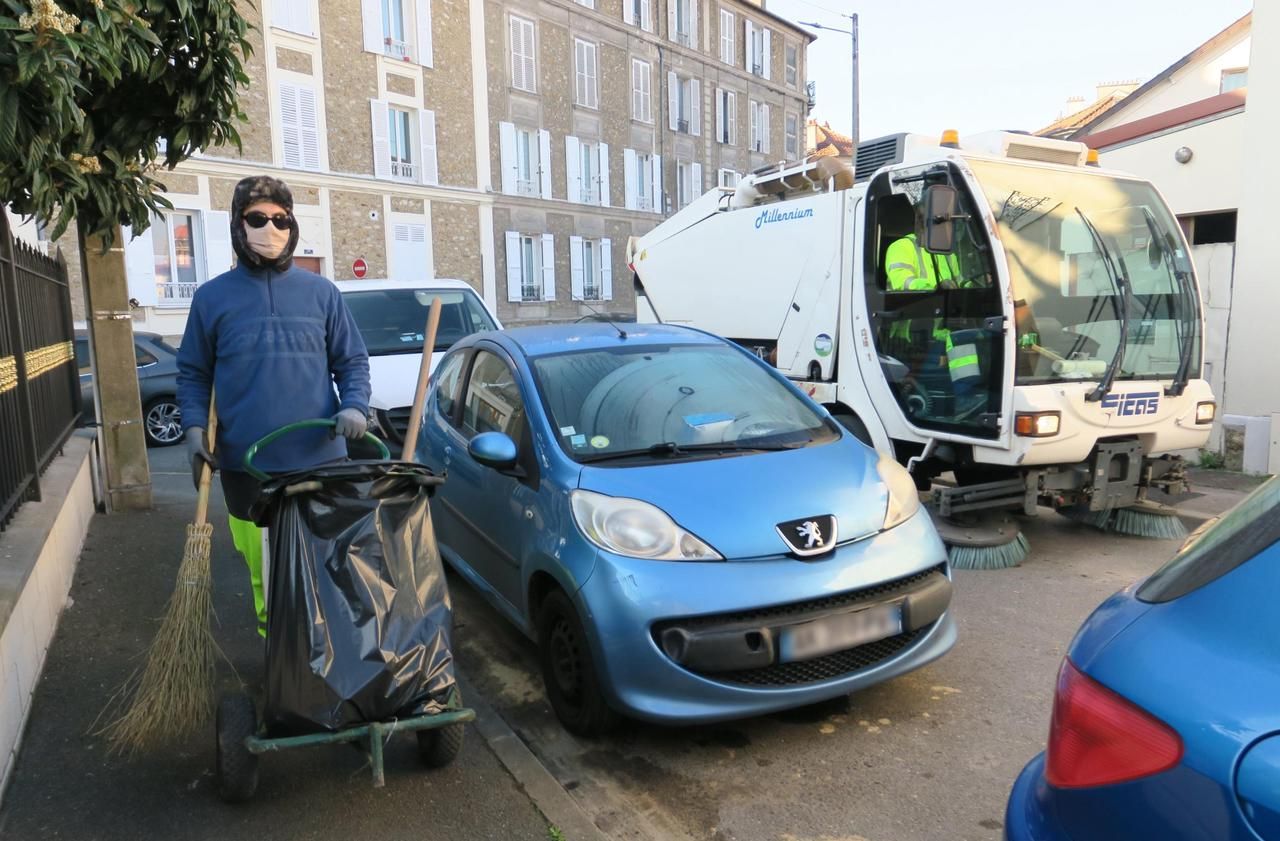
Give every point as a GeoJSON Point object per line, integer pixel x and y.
{"type": "Point", "coordinates": [383, 283]}
{"type": "Point", "coordinates": [83, 333]}
{"type": "Point", "coordinates": [542, 340]}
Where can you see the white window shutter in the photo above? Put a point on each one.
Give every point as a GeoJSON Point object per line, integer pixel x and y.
{"type": "Point", "coordinates": [427, 137]}
{"type": "Point", "coordinates": [371, 14]}
{"type": "Point", "coordinates": [217, 242]}
{"type": "Point", "coordinates": [693, 24]}
{"type": "Point", "coordinates": [764, 128]}
{"type": "Point", "coordinates": [514, 273]}
{"type": "Point", "coordinates": [606, 268]}
{"type": "Point", "coordinates": [308, 128]}
{"type": "Point", "coordinates": [604, 174]}
{"type": "Point", "coordinates": [290, 137]}
{"type": "Point", "coordinates": [748, 44]}
{"type": "Point", "coordinates": [572, 169]}
{"type": "Point", "coordinates": [629, 185]}
{"type": "Point", "coordinates": [544, 161]}
{"type": "Point", "coordinates": [576, 291]}
{"type": "Point", "coordinates": [733, 118]}
{"type": "Point", "coordinates": [548, 267]}
{"type": "Point", "coordinates": [635, 90]}
{"type": "Point", "coordinates": [719, 97]}
{"type": "Point", "coordinates": [646, 15]}
{"type": "Point", "coordinates": [671, 19]}
{"type": "Point", "coordinates": [768, 53]}
{"type": "Point", "coordinates": [673, 99]}
{"type": "Point", "coordinates": [659, 205]}
{"type": "Point", "coordinates": [422, 13]}
{"type": "Point", "coordinates": [530, 56]}
{"type": "Point", "coordinates": [140, 264]}
{"type": "Point", "coordinates": [381, 139]}
{"type": "Point", "coordinates": [517, 53]}
{"type": "Point", "coordinates": [696, 179]}
{"type": "Point", "coordinates": [628, 12]}
{"type": "Point", "coordinates": [507, 154]}
{"type": "Point", "coordinates": [695, 107]}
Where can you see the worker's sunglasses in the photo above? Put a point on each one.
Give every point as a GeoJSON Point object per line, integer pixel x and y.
{"type": "Point", "coordinates": [256, 219]}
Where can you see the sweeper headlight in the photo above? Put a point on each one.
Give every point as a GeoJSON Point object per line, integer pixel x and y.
{"type": "Point", "coordinates": [1037, 424]}
{"type": "Point", "coordinates": [636, 529]}
{"type": "Point", "coordinates": [1206, 411]}
{"type": "Point", "coordinates": [904, 499]}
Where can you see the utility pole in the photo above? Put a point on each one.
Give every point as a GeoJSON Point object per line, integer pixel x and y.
{"type": "Point", "coordinates": [852, 32]}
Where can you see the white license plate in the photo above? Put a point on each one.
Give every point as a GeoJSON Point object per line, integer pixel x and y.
{"type": "Point", "coordinates": [836, 633]}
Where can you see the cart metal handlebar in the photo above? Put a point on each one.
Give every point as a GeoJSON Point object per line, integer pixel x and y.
{"type": "Point", "coordinates": [261, 476]}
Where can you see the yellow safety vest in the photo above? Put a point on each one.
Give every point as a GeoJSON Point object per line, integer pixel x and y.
{"type": "Point", "coordinates": [912, 269]}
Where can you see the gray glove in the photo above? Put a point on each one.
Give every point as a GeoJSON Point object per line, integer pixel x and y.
{"type": "Point", "coordinates": [350, 423]}
{"type": "Point", "coordinates": [198, 454]}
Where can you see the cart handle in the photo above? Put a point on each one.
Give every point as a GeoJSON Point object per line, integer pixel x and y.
{"type": "Point", "coordinates": [293, 427]}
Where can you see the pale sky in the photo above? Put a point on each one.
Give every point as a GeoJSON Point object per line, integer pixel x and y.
{"type": "Point", "coordinates": [975, 65]}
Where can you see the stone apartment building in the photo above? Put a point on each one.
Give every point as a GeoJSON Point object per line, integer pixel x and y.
{"type": "Point", "coordinates": [513, 144]}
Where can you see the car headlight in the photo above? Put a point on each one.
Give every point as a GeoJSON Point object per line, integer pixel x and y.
{"type": "Point", "coordinates": [635, 529]}
{"type": "Point", "coordinates": [904, 499]}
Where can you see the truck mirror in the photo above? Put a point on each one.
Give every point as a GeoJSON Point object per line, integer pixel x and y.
{"type": "Point", "coordinates": [939, 219]}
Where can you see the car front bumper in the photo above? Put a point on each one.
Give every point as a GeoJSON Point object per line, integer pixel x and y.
{"type": "Point", "coordinates": [629, 605]}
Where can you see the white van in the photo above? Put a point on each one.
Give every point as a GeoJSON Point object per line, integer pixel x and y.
{"type": "Point", "coordinates": [392, 315]}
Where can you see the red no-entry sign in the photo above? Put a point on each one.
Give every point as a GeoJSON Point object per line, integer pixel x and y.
{"type": "Point", "coordinates": [359, 268]}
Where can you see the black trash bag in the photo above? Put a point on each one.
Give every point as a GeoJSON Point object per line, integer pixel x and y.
{"type": "Point", "coordinates": [359, 619]}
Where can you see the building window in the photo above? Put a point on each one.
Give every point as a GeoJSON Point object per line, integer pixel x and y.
{"type": "Point", "coordinates": [643, 176]}
{"type": "Point", "coordinates": [591, 267]}
{"type": "Point", "coordinates": [524, 74]}
{"type": "Point", "coordinates": [527, 164]}
{"type": "Point", "coordinates": [299, 126]}
{"type": "Point", "coordinates": [530, 276]}
{"type": "Point", "coordinates": [526, 155]}
{"type": "Point", "coordinates": [173, 237]}
{"type": "Point", "coordinates": [638, 13]}
{"type": "Point", "coordinates": [292, 15]}
{"type": "Point", "coordinates": [586, 90]}
{"type": "Point", "coordinates": [587, 171]}
{"type": "Point", "coordinates": [393, 29]}
{"type": "Point", "coordinates": [728, 50]}
{"type": "Point", "coordinates": [727, 178]}
{"type": "Point", "coordinates": [791, 140]}
{"type": "Point", "coordinates": [641, 91]}
{"type": "Point", "coordinates": [684, 98]}
{"type": "Point", "coordinates": [682, 21]}
{"type": "Point", "coordinates": [793, 65]}
{"type": "Point", "coordinates": [758, 46]}
{"type": "Point", "coordinates": [727, 117]}
{"type": "Point", "coordinates": [400, 29]}
{"type": "Point", "coordinates": [688, 182]}
{"type": "Point", "coordinates": [400, 136]}
{"type": "Point", "coordinates": [179, 251]}
{"type": "Point", "coordinates": [1233, 79]}
{"type": "Point", "coordinates": [590, 4]}
{"type": "Point", "coordinates": [530, 267]}
{"type": "Point", "coordinates": [1210, 228]}
{"type": "Point", "coordinates": [758, 113]}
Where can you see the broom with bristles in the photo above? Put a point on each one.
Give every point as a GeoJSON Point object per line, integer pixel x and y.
{"type": "Point", "coordinates": [173, 694]}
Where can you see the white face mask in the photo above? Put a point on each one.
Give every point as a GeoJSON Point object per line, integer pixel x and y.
{"type": "Point", "coordinates": [267, 241]}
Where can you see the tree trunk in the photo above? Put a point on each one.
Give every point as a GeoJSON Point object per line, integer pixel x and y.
{"type": "Point", "coordinates": [126, 473]}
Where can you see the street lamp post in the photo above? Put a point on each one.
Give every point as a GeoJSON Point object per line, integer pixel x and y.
{"type": "Point", "coordinates": [852, 32]}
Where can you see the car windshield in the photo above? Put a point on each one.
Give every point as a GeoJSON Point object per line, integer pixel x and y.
{"type": "Point", "coordinates": [1085, 252]}
{"type": "Point", "coordinates": [1219, 546]}
{"type": "Point", "coordinates": [659, 401]}
{"type": "Point", "coordinates": [392, 320]}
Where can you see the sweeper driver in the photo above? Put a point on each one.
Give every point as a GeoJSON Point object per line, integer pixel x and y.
{"type": "Point", "coordinates": [271, 340]}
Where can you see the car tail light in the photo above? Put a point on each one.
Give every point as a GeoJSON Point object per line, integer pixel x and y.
{"type": "Point", "coordinates": [1097, 737]}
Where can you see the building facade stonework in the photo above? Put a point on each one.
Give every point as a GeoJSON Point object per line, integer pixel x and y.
{"type": "Point", "coordinates": [514, 144]}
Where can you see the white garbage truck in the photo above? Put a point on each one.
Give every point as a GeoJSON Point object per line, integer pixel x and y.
{"type": "Point", "coordinates": [1015, 324]}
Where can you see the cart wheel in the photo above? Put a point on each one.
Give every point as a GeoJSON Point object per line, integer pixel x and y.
{"type": "Point", "coordinates": [237, 768]}
{"type": "Point", "coordinates": [441, 745]}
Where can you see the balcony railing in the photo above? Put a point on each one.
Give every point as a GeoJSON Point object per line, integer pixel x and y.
{"type": "Point", "coordinates": [404, 170]}
{"type": "Point", "coordinates": [590, 195]}
{"type": "Point", "coordinates": [171, 293]}
{"type": "Point", "coordinates": [757, 68]}
{"type": "Point", "coordinates": [683, 38]}
{"type": "Point", "coordinates": [396, 49]}
{"type": "Point", "coordinates": [528, 187]}
{"type": "Point", "coordinates": [682, 125]}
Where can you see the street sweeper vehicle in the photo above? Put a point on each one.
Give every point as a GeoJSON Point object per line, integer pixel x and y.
{"type": "Point", "coordinates": [1018, 326]}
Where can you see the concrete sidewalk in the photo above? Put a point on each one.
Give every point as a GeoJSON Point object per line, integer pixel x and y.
{"type": "Point", "coordinates": [65, 786]}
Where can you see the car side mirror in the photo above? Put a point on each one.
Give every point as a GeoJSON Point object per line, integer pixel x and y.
{"type": "Point", "coordinates": [495, 450]}
{"type": "Point", "coordinates": [939, 219]}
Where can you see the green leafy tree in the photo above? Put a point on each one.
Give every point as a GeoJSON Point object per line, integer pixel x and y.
{"type": "Point", "coordinates": [97, 95]}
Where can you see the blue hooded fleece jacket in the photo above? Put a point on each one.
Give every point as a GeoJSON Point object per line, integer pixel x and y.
{"type": "Point", "coordinates": [273, 344]}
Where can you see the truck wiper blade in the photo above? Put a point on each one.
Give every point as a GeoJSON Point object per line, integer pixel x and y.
{"type": "Point", "coordinates": [1121, 282]}
{"type": "Point", "coordinates": [1185, 326]}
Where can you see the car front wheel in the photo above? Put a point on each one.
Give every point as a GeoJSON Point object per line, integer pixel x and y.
{"type": "Point", "coordinates": [573, 687]}
{"type": "Point", "coordinates": [163, 422]}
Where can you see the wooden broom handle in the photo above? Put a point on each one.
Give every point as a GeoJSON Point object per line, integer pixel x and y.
{"type": "Point", "coordinates": [424, 377]}
{"type": "Point", "coordinates": [206, 473]}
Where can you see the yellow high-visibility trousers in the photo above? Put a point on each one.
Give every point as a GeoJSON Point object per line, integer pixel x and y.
{"type": "Point", "coordinates": [251, 542]}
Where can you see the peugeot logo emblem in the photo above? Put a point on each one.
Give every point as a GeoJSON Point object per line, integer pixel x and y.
{"type": "Point", "coordinates": [809, 536]}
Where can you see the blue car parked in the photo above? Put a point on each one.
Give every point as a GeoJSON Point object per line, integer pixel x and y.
{"type": "Point", "coordinates": [685, 535]}
{"type": "Point", "coordinates": [1166, 721]}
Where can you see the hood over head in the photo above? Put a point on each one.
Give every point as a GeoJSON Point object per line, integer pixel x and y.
{"type": "Point", "coordinates": [250, 191]}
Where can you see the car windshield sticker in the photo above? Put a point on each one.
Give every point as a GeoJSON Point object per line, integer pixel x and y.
{"type": "Point", "coordinates": [708, 419]}
{"type": "Point", "coordinates": [411, 337]}
{"type": "Point", "coordinates": [568, 430]}
{"type": "Point", "coordinates": [578, 441]}
{"type": "Point", "coordinates": [599, 442]}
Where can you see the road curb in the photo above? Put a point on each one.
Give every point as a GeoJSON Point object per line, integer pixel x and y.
{"type": "Point", "coordinates": [556, 804]}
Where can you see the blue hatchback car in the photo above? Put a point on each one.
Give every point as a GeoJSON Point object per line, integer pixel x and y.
{"type": "Point", "coordinates": [685, 535]}
{"type": "Point", "coordinates": [1166, 721]}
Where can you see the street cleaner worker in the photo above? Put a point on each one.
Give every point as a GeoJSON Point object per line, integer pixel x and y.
{"type": "Point", "coordinates": [272, 341]}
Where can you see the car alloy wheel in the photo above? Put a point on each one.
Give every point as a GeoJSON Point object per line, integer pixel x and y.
{"type": "Point", "coordinates": [163, 421]}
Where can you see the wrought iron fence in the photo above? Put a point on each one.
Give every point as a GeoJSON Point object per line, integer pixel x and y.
{"type": "Point", "coordinates": [39, 383]}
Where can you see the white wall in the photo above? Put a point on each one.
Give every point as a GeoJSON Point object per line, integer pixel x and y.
{"type": "Point", "coordinates": [1211, 180]}
{"type": "Point", "coordinates": [1253, 381]}
{"type": "Point", "coordinates": [1199, 80]}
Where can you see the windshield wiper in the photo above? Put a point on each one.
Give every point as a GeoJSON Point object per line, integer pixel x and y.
{"type": "Point", "coordinates": [1185, 327]}
{"type": "Point", "coordinates": [1119, 280]}
{"type": "Point", "coordinates": [671, 448]}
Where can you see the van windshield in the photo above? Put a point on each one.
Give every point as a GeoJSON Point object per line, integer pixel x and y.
{"type": "Point", "coordinates": [1087, 251]}
{"type": "Point", "coordinates": [392, 320]}
{"type": "Point", "coordinates": [665, 401]}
